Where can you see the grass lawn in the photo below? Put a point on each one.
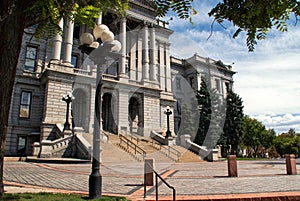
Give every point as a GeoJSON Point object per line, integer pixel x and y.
{"type": "Point", "coordinates": [55, 197]}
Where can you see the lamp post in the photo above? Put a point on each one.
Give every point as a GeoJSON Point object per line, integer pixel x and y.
{"type": "Point", "coordinates": [98, 53]}
{"type": "Point", "coordinates": [68, 99]}
{"type": "Point", "coordinates": [168, 112]}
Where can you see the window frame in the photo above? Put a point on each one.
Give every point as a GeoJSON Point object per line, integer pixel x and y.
{"type": "Point", "coordinates": [178, 83]}
{"type": "Point", "coordinates": [77, 59]}
{"type": "Point", "coordinates": [29, 59]}
{"type": "Point", "coordinates": [192, 82]}
{"type": "Point", "coordinates": [26, 105]}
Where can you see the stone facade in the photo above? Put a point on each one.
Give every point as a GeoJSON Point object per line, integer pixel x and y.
{"type": "Point", "coordinates": [137, 88]}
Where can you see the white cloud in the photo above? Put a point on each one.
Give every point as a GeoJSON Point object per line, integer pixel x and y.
{"type": "Point", "coordinates": [280, 123]}
{"type": "Point", "coordinates": [267, 79]}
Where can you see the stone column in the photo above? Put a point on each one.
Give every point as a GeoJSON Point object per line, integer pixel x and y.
{"type": "Point", "coordinates": [133, 58]}
{"type": "Point", "coordinates": [68, 42]}
{"type": "Point", "coordinates": [57, 42]}
{"type": "Point", "coordinates": [123, 50]}
{"type": "Point", "coordinates": [145, 54]}
{"type": "Point", "coordinates": [152, 55]}
{"type": "Point", "coordinates": [123, 123]}
{"type": "Point", "coordinates": [168, 69]}
{"type": "Point", "coordinates": [99, 19]}
{"type": "Point", "coordinates": [161, 49]}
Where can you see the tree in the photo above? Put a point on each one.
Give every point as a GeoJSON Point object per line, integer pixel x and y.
{"type": "Point", "coordinates": [256, 137]}
{"type": "Point", "coordinates": [187, 123]}
{"type": "Point", "coordinates": [211, 117]}
{"type": "Point", "coordinates": [233, 127]}
{"type": "Point", "coordinates": [256, 18]}
{"type": "Point", "coordinates": [287, 143]}
{"type": "Point", "coordinates": [15, 16]}
{"type": "Point", "coordinates": [204, 103]}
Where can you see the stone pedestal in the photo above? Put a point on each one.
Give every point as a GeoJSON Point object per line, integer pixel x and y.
{"type": "Point", "coordinates": [149, 174]}
{"type": "Point", "coordinates": [232, 166]}
{"type": "Point", "coordinates": [213, 155]}
{"type": "Point", "coordinates": [169, 141]}
{"type": "Point", "coordinates": [46, 149]}
{"type": "Point", "coordinates": [36, 147]}
{"type": "Point", "coordinates": [290, 164]}
{"type": "Point", "coordinates": [184, 139]}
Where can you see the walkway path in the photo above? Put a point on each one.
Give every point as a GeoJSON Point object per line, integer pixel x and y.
{"type": "Point", "coordinates": [192, 181]}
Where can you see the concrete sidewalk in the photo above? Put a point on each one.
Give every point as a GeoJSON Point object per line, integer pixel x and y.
{"type": "Point", "coordinates": [257, 180]}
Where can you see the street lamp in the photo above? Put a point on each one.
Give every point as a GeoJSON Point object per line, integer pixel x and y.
{"type": "Point", "coordinates": [68, 99]}
{"type": "Point", "coordinates": [98, 52]}
{"type": "Point", "coordinates": [168, 112]}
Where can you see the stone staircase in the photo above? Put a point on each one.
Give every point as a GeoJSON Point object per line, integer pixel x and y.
{"type": "Point", "coordinates": [112, 152]}
{"type": "Point", "coordinates": [187, 156]}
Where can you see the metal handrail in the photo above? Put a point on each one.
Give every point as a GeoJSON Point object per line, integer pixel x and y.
{"type": "Point", "coordinates": [132, 145]}
{"type": "Point", "coordinates": [132, 137]}
{"type": "Point", "coordinates": [156, 185]}
{"type": "Point", "coordinates": [170, 150]}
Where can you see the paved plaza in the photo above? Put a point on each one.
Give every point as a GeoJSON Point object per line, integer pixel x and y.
{"type": "Point", "coordinates": [192, 181]}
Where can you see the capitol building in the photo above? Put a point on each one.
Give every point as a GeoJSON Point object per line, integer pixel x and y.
{"type": "Point", "coordinates": [138, 86]}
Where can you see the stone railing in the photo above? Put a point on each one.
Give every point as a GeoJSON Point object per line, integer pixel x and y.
{"type": "Point", "coordinates": [82, 71]}
{"type": "Point", "coordinates": [84, 149]}
{"type": "Point", "coordinates": [56, 148]}
{"type": "Point", "coordinates": [161, 139]}
{"type": "Point", "coordinates": [202, 151]}
{"type": "Point", "coordinates": [168, 150]}
{"type": "Point", "coordinates": [109, 77]}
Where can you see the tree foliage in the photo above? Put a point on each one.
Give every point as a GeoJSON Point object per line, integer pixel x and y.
{"type": "Point", "coordinates": [233, 127]}
{"type": "Point", "coordinates": [257, 17]}
{"type": "Point", "coordinates": [183, 8]}
{"type": "Point", "coordinates": [204, 103]}
{"type": "Point", "coordinates": [187, 124]}
{"type": "Point", "coordinates": [288, 143]}
{"type": "Point", "coordinates": [256, 137]}
{"type": "Point", "coordinates": [211, 116]}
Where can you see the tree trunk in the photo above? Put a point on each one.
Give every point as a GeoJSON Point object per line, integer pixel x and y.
{"type": "Point", "coordinates": [11, 27]}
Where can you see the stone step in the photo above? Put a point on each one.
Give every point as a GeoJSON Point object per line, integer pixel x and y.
{"type": "Point", "coordinates": [113, 153]}
{"type": "Point", "coordinates": [187, 155]}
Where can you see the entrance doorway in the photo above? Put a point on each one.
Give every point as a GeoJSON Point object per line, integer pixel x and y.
{"type": "Point", "coordinates": [22, 143]}
{"type": "Point", "coordinates": [108, 123]}
{"type": "Point", "coordinates": [79, 109]}
{"type": "Point", "coordinates": [134, 116]}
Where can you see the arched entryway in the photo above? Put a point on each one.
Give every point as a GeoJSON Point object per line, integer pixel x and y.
{"type": "Point", "coordinates": [108, 122]}
{"type": "Point", "coordinates": [135, 116]}
{"type": "Point", "coordinates": [79, 109]}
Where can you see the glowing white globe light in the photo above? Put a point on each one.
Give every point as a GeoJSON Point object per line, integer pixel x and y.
{"type": "Point", "coordinates": [117, 46]}
{"type": "Point", "coordinates": [94, 45]}
{"type": "Point", "coordinates": [86, 38]}
{"type": "Point", "coordinates": [107, 36]}
{"type": "Point", "coordinates": [99, 29]}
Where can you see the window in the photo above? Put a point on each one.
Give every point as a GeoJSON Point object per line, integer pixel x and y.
{"type": "Point", "coordinates": [74, 60]}
{"type": "Point", "coordinates": [25, 104]}
{"type": "Point", "coordinates": [21, 148]}
{"type": "Point", "coordinates": [218, 87]}
{"type": "Point", "coordinates": [76, 32]}
{"type": "Point", "coordinates": [227, 87]}
{"type": "Point", "coordinates": [178, 84]}
{"type": "Point", "coordinates": [30, 58]}
{"type": "Point", "coordinates": [192, 82]}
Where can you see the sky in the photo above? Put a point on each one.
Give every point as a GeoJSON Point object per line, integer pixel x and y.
{"type": "Point", "coordinates": [267, 80]}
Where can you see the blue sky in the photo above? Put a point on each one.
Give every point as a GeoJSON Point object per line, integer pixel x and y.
{"type": "Point", "coordinates": [267, 79]}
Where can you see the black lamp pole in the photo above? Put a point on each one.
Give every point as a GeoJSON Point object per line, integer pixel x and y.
{"type": "Point", "coordinates": [97, 55]}
{"type": "Point", "coordinates": [168, 112]}
{"type": "Point", "coordinates": [68, 100]}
